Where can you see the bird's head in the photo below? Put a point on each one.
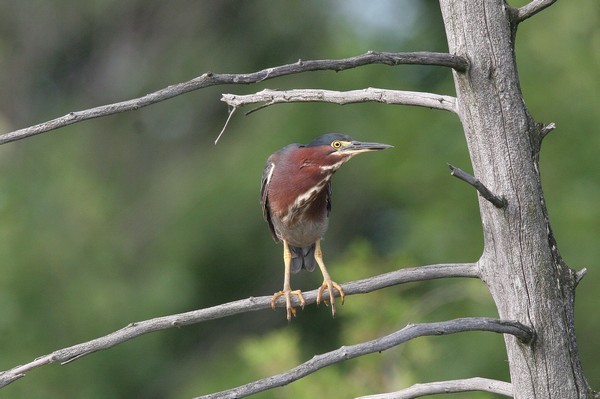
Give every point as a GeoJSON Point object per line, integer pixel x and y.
{"type": "Point", "coordinates": [331, 150]}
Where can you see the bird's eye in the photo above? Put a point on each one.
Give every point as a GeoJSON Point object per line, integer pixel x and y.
{"type": "Point", "coordinates": [336, 144]}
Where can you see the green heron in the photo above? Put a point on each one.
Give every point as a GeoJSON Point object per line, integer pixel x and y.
{"type": "Point", "coordinates": [296, 200]}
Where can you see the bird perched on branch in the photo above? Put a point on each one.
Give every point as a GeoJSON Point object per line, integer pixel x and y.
{"type": "Point", "coordinates": [296, 200]}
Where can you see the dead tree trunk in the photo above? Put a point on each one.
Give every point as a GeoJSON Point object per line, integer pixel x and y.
{"type": "Point", "coordinates": [521, 264]}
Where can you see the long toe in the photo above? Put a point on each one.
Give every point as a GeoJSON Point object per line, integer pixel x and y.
{"type": "Point", "coordinates": [287, 294]}
{"type": "Point", "coordinates": [330, 286]}
{"type": "Point", "coordinates": [339, 288]}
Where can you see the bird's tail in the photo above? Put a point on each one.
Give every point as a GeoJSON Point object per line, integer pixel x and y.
{"type": "Point", "coordinates": [303, 258]}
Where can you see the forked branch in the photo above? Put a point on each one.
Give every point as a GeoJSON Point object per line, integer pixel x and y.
{"type": "Point", "coordinates": [445, 387]}
{"type": "Point", "coordinates": [137, 329]}
{"type": "Point", "coordinates": [212, 79]}
{"type": "Point", "coordinates": [409, 332]}
{"type": "Point", "coordinates": [398, 97]}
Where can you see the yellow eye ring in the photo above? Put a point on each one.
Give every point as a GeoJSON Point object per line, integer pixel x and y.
{"type": "Point", "coordinates": [336, 144]}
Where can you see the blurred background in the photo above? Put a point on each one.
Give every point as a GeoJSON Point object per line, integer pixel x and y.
{"type": "Point", "coordinates": [140, 215]}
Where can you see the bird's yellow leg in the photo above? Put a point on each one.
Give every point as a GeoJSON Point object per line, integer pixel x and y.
{"type": "Point", "coordinates": [287, 291]}
{"type": "Point", "coordinates": [327, 282]}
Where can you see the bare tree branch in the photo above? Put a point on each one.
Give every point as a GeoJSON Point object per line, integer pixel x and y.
{"type": "Point", "coordinates": [532, 8]}
{"type": "Point", "coordinates": [499, 202]}
{"type": "Point", "coordinates": [409, 332]}
{"type": "Point", "coordinates": [251, 304]}
{"type": "Point", "coordinates": [270, 97]}
{"type": "Point", "coordinates": [210, 79]}
{"type": "Point", "coordinates": [580, 275]}
{"type": "Point", "coordinates": [545, 129]}
{"type": "Point", "coordinates": [452, 386]}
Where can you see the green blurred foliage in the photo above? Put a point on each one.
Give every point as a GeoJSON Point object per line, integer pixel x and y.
{"type": "Point", "coordinates": [139, 215]}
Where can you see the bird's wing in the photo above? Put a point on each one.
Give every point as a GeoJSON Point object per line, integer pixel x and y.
{"type": "Point", "coordinates": [264, 195]}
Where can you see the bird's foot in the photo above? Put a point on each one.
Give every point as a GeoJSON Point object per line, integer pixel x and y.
{"type": "Point", "coordinates": [330, 285]}
{"type": "Point", "coordinates": [291, 310]}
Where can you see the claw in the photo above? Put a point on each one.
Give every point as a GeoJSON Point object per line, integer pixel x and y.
{"type": "Point", "coordinates": [290, 310]}
{"type": "Point", "coordinates": [330, 285]}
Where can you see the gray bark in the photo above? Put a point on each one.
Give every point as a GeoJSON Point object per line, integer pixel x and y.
{"type": "Point", "coordinates": [521, 264]}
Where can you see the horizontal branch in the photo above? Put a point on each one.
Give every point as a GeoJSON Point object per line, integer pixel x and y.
{"type": "Point", "coordinates": [445, 387]}
{"type": "Point", "coordinates": [398, 97]}
{"type": "Point", "coordinates": [137, 329]}
{"type": "Point", "coordinates": [532, 8]}
{"type": "Point", "coordinates": [212, 79]}
{"type": "Point", "coordinates": [409, 332]}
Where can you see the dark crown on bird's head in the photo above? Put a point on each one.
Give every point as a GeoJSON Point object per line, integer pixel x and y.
{"type": "Point", "coordinates": [327, 139]}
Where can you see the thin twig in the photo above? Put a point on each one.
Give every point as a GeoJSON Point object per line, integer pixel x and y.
{"type": "Point", "coordinates": [409, 332]}
{"type": "Point", "coordinates": [445, 387]}
{"type": "Point", "coordinates": [231, 112]}
{"type": "Point", "coordinates": [137, 329]}
{"type": "Point", "coordinates": [211, 79]}
{"type": "Point", "coordinates": [498, 202]}
{"type": "Point", "coordinates": [270, 97]}
{"type": "Point", "coordinates": [532, 8]}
